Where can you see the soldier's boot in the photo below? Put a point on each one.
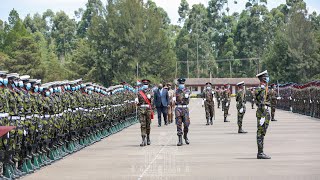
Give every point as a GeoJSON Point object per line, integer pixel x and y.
{"type": "Point", "coordinates": [207, 122]}
{"type": "Point", "coordinates": [148, 139]}
{"type": "Point", "coordinates": [143, 143]}
{"type": "Point", "coordinates": [185, 136]}
{"type": "Point", "coordinates": [180, 140]}
{"type": "Point", "coordinates": [241, 130]}
{"type": "Point", "coordinates": [8, 171]}
{"type": "Point", "coordinates": [225, 119]}
{"type": "Point", "coordinates": [272, 119]}
{"type": "Point", "coordinates": [262, 155]}
{"type": "Point", "coordinates": [211, 120]}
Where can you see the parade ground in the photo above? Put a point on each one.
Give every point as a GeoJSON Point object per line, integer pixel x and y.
{"type": "Point", "coordinates": [215, 152]}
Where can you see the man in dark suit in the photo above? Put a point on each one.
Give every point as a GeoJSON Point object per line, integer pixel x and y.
{"type": "Point", "coordinates": [161, 101]}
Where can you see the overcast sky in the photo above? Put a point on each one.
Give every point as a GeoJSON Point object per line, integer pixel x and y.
{"type": "Point", "coordinates": [25, 7]}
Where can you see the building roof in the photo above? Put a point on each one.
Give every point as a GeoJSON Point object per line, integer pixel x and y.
{"type": "Point", "coordinates": [221, 81]}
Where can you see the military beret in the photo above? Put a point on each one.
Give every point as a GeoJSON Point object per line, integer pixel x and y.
{"type": "Point", "coordinates": [145, 81]}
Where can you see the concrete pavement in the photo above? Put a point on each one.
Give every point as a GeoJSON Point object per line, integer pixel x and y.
{"type": "Point", "coordinates": [215, 152]}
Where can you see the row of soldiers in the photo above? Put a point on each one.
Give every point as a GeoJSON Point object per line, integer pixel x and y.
{"type": "Point", "coordinates": [302, 99]}
{"type": "Point", "coordinates": [55, 119]}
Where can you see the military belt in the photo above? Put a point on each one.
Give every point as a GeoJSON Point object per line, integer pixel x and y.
{"type": "Point", "coordinates": [3, 115]}
{"type": "Point", "coordinates": [181, 106]}
{"type": "Point", "coordinates": [144, 105]}
{"type": "Point", "coordinates": [15, 117]}
{"type": "Point", "coordinates": [29, 117]}
{"type": "Point", "coordinates": [47, 116]}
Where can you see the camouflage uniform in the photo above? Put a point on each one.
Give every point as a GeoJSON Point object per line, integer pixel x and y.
{"type": "Point", "coordinates": [226, 94]}
{"type": "Point", "coordinates": [218, 97]}
{"type": "Point", "coordinates": [208, 95]}
{"type": "Point", "coordinates": [262, 114]}
{"type": "Point", "coordinates": [241, 107]}
{"type": "Point", "coordinates": [182, 112]}
{"type": "Point", "coordinates": [145, 112]}
{"type": "Point", "coordinates": [273, 97]}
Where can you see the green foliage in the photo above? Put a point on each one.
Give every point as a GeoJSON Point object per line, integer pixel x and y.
{"type": "Point", "coordinates": [104, 44]}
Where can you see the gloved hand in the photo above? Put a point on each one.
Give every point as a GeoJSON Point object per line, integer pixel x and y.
{"type": "Point", "coordinates": [148, 96]}
{"type": "Point", "coordinates": [278, 98]}
{"type": "Point", "coordinates": [186, 95]}
{"type": "Point", "coordinates": [174, 99]}
{"type": "Point", "coordinates": [262, 120]}
{"type": "Point", "coordinates": [241, 110]}
{"type": "Point", "coordinates": [136, 100]}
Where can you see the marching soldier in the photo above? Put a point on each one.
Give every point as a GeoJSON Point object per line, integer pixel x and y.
{"type": "Point", "coordinates": [241, 107]}
{"type": "Point", "coordinates": [145, 111]}
{"type": "Point", "coordinates": [252, 98]}
{"type": "Point", "coordinates": [182, 111]}
{"type": "Point", "coordinates": [226, 98]}
{"type": "Point", "coordinates": [218, 96]}
{"type": "Point", "coordinates": [208, 97]}
{"type": "Point", "coordinates": [262, 113]}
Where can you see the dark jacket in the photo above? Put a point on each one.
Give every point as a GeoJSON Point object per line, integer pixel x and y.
{"type": "Point", "coordinates": [161, 99]}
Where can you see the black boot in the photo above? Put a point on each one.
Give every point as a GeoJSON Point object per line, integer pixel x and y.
{"type": "Point", "coordinates": [207, 121]}
{"type": "Point", "coordinates": [225, 119]}
{"type": "Point", "coordinates": [262, 155]}
{"type": "Point", "coordinates": [186, 139]}
{"type": "Point", "coordinates": [143, 143]}
{"type": "Point", "coordinates": [211, 121]}
{"type": "Point", "coordinates": [148, 139]}
{"type": "Point", "coordinates": [273, 119]}
{"type": "Point", "coordinates": [180, 140]}
{"type": "Point", "coordinates": [241, 130]}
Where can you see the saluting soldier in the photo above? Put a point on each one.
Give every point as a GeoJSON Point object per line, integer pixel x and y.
{"type": "Point", "coordinates": [208, 97]}
{"type": "Point", "coordinates": [145, 111]}
{"type": "Point", "coordinates": [241, 107]}
{"type": "Point", "coordinates": [182, 111]}
{"type": "Point", "coordinates": [262, 113]}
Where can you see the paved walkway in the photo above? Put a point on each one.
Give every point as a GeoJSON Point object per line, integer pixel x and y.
{"type": "Point", "coordinates": [215, 152]}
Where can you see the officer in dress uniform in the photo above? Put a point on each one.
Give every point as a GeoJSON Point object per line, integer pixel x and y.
{"type": "Point", "coordinates": [145, 111]}
{"type": "Point", "coordinates": [182, 111]}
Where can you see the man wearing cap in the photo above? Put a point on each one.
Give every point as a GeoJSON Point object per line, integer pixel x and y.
{"type": "Point", "coordinates": [226, 94]}
{"type": "Point", "coordinates": [144, 102]}
{"type": "Point", "coordinates": [241, 107]}
{"type": "Point", "coordinates": [182, 111]}
{"type": "Point", "coordinates": [208, 98]}
{"type": "Point", "coordinates": [262, 113]}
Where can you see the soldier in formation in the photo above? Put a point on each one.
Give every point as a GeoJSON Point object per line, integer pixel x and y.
{"type": "Point", "coordinates": [226, 99]}
{"type": "Point", "coordinates": [55, 119]}
{"type": "Point", "coordinates": [241, 107]}
{"type": "Point", "coordinates": [208, 98]}
{"type": "Point", "coordinates": [263, 114]}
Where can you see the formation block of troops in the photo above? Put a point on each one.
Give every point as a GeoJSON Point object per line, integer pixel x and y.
{"type": "Point", "coordinates": [303, 99]}
{"type": "Point", "coordinates": [55, 119]}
